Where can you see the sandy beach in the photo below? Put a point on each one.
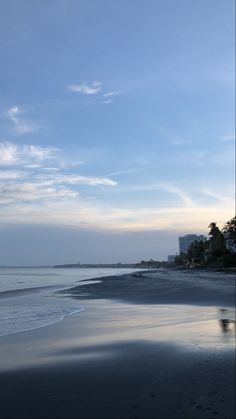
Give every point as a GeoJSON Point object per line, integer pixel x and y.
{"type": "Point", "coordinates": [147, 345]}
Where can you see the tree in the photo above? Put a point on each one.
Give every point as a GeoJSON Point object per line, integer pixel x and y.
{"type": "Point", "coordinates": [217, 240]}
{"type": "Point", "coordinates": [180, 260]}
{"type": "Point", "coordinates": [196, 251]}
{"type": "Point", "coordinates": [229, 232]}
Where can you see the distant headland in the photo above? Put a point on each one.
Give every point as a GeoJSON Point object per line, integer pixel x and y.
{"type": "Point", "coordinates": [97, 265]}
{"type": "Point", "coordinates": [143, 264]}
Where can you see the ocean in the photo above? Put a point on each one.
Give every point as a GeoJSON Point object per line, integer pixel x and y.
{"type": "Point", "coordinates": [29, 297]}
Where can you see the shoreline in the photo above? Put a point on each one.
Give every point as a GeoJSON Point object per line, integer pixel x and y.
{"type": "Point", "coordinates": [162, 287]}
{"type": "Point", "coordinates": [132, 353]}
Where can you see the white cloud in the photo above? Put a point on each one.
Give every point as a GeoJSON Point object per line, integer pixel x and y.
{"type": "Point", "coordinates": [109, 94]}
{"type": "Point", "coordinates": [70, 164]}
{"type": "Point", "coordinates": [92, 181]}
{"type": "Point", "coordinates": [10, 174]}
{"type": "Point", "coordinates": [37, 193]}
{"type": "Point", "coordinates": [33, 189]}
{"type": "Point", "coordinates": [32, 166]}
{"type": "Point", "coordinates": [22, 126]}
{"type": "Point", "coordinates": [73, 179]}
{"type": "Point", "coordinates": [43, 187]}
{"type": "Point", "coordinates": [12, 154]}
{"type": "Point", "coordinates": [124, 172]}
{"type": "Point", "coordinates": [8, 153]}
{"type": "Point", "coordinates": [51, 169]}
{"type": "Point", "coordinates": [85, 89]}
{"type": "Point", "coordinates": [40, 153]}
{"type": "Point", "coordinates": [88, 180]}
{"type": "Point", "coordinates": [34, 180]}
{"type": "Point", "coordinates": [11, 192]}
{"type": "Point", "coordinates": [108, 101]}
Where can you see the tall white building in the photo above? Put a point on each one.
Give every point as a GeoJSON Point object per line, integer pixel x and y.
{"type": "Point", "coordinates": [186, 241]}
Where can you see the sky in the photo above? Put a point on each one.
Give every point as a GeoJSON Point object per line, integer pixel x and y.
{"type": "Point", "coordinates": [116, 127]}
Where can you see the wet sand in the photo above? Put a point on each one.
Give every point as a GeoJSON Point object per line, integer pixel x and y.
{"type": "Point", "coordinates": [165, 287]}
{"type": "Point", "coordinates": [149, 345]}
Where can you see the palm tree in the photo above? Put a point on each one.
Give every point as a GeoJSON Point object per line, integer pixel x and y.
{"type": "Point", "coordinates": [217, 240]}
{"type": "Point", "coordinates": [229, 232]}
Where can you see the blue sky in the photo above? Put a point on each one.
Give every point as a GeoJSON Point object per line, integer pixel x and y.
{"type": "Point", "coordinates": [117, 117]}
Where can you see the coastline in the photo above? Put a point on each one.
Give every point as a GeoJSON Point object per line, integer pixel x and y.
{"type": "Point", "coordinates": [148, 344]}
{"type": "Point", "coordinates": [163, 287]}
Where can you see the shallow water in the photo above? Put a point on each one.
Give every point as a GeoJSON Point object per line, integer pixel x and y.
{"type": "Point", "coordinates": [26, 278]}
{"type": "Point", "coordinates": [186, 325]}
{"type": "Point", "coordinates": [28, 299]}
{"type": "Point", "coordinates": [105, 328]}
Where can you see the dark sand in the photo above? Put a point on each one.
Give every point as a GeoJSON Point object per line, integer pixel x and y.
{"type": "Point", "coordinates": [165, 287]}
{"type": "Point", "coordinates": [154, 345]}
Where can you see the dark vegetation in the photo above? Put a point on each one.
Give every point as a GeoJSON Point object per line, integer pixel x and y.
{"type": "Point", "coordinates": [218, 251]}
{"type": "Point", "coordinates": [151, 264]}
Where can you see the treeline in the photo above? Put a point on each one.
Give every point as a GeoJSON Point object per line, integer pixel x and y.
{"type": "Point", "coordinates": [218, 251]}
{"type": "Point", "coordinates": [151, 264]}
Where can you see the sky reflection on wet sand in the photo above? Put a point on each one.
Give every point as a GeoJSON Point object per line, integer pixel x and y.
{"type": "Point", "coordinates": [184, 325]}
{"type": "Point", "coordinates": [106, 327]}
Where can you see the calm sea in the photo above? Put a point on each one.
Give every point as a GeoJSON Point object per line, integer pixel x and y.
{"type": "Point", "coordinates": [29, 299]}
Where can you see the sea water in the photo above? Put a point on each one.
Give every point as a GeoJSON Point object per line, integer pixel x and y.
{"type": "Point", "coordinates": [29, 299]}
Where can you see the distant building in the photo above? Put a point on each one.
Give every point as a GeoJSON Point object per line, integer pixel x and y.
{"type": "Point", "coordinates": [171, 258]}
{"type": "Point", "coordinates": [186, 241]}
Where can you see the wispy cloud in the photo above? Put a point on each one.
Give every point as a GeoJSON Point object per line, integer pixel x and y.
{"type": "Point", "coordinates": [86, 89]}
{"type": "Point", "coordinates": [11, 154]}
{"type": "Point", "coordinates": [10, 174]}
{"type": "Point", "coordinates": [51, 169]}
{"type": "Point", "coordinates": [35, 190]}
{"type": "Point", "coordinates": [88, 180]}
{"type": "Point", "coordinates": [173, 138]}
{"type": "Point", "coordinates": [110, 94]}
{"type": "Point", "coordinates": [29, 192]}
{"type": "Point", "coordinates": [73, 179]}
{"type": "Point", "coordinates": [94, 89]}
{"type": "Point", "coordinates": [40, 153]}
{"type": "Point", "coordinates": [217, 196]}
{"type": "Point", "coordinates": [22, 126]}
{"type": "Point", "coordinates": [109, 97]}
{"type": "Point", "coordinates": [32, 166]}
{"type": "Point", "coordinates": [70, 164]}
{"type": "Point", "coordinates": [107, 102]}
{"type": "Point", "coordinates": [178, 192]}
{"type": "Point", "coordinates": [162, 186]}
{"type": "Point", "coordinates": [8, 153]}
{"type": "Point", "coordinates": [125, 171]}
{"type": "Point", "coordinates": [101, 216]}
{"type": "Point", "coordinates": [26, 177]}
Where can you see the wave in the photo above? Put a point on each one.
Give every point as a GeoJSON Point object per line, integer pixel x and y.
{"type": "Point", "coordinates": [24, 328]}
